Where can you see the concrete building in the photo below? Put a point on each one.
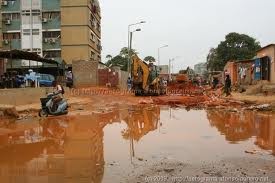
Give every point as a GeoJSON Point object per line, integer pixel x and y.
{"type": "Point", "coordinates": [62, 30]}
{"type": "Point", "coordinates": [200, 68]}
{"type": "Point", "coordinates": [164, 69]}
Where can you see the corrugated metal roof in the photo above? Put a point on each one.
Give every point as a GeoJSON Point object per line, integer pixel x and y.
{"type": "Point", "coordinates": [18, 54]}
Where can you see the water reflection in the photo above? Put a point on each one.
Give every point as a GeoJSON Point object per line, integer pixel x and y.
{"type": "Point", "coordinates": [67, 149]}
{"type": "Point", "coordinates": [242, 126]}
{"type": "Point", "coordinates": [71, 149]}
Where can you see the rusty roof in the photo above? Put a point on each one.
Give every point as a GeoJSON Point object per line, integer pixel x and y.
{"type": "Point", "coordinates": [266, 47]}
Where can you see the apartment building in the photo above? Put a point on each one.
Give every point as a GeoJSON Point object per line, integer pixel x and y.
{"type": "Point", "coordinates": [63, 30]}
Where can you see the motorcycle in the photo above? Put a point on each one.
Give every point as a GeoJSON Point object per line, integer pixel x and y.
{"type": "Point", "coordinates": [47, 107]}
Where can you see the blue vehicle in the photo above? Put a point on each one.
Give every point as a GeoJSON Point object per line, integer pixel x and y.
{"type": "Point", "coordinates": [46, 80]}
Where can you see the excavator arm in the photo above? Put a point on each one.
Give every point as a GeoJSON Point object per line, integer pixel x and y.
{"type": "Point", "coordinates": [137, 75]}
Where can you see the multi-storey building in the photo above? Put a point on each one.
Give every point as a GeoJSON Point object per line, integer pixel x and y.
{"type": "Point", "coordinates": [63, 30]}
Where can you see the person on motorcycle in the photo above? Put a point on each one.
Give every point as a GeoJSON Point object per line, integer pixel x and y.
{"type": "Point", "coordinates": [57, 95]}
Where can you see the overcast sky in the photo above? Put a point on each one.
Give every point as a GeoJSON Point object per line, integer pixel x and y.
{"type": "Point", "coordinates": [189, 27]}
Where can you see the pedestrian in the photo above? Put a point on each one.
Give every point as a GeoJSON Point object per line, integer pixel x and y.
{"type": "Point", "coordinates": [227, 86]}
{"type": "Point", "coordinates": [129, 83]}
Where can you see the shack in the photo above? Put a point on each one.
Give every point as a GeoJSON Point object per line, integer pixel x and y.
{"type": "Point", "coordinates": [266, 63]}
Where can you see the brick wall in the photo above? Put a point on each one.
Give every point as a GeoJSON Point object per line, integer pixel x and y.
{"type": "Point", "coordinates": [84, 73]}
{"type": "Point", "coordinates": [108, 76]}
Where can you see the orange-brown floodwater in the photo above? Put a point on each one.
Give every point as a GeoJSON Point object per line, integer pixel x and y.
{"type": "Point", "coordinates": [104, 146]}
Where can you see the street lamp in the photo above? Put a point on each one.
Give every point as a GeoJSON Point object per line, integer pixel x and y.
{"type": "Point", "coordinates": [165, 46]}
{"type": "Point", "coordinates": [130, 49]}
{"type": "Point", "coordinates": [129, 33]}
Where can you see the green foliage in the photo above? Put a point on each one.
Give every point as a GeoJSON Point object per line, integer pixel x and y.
{"type": "Point", "coordinates": [119, 61]}
{"type": "Point", "coordinates": [109, 57]}
{"type": "Point", "coordinates": [149, 59]}
{"type": "Point", "coordinates": [235, 47]}
{"type": "Point", "coordinates": [124, 52]}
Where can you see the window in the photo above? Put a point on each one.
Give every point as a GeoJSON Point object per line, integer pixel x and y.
{"type": "Point", "coordinates": [8, 36]}
{"type": "Point", "coordinates": [26, 32]}
{"type": "Point", "coordinates": [52, 34]}
{"type": "Point", "coordinates": [26, 12]}
{"type": "Point", "coordinates": [15, 16]}
{"type": "Point", "coordinates": [92, 37]}
{"type": "Point", "coordinates": [35, 32]}
{"type": "Point", "coordinates": [93, 55]}
{"type": "Point", "coordinates": [51, 15]}
{"type": "Point", "coordinates": [35, 12]}
{"type": "Point", "coordinates": [52, 54]}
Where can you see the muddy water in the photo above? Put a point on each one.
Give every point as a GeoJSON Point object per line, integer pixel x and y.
{"type": "Point", "coordinates": [106, 146]}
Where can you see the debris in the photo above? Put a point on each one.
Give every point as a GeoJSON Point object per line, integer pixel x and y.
{"type": "Point", "coordinates": [140, 159]}
{"type": "Point", "coordinates": [251, 152]}
{"type": "Point", "coordinates": [263, 107]}
{"type": "Point", "coordinates": [169, 170]}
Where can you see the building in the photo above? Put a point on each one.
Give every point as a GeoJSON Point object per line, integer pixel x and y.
{"type": "Point", "coordinates": [58, 29]}
{"type": "Point", "coordinates": [2, 63]}
{"type": "Point", "coordinates": [266, 64]}
{"type": "Point", "coordinates": [164, 69]}
{"type": "Point", "coordinates": [200, 68]}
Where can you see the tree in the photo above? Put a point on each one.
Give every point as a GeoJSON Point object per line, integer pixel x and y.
{"type": "Point", "coordinates": [109, 57]}
{"type": "Point", "coordinates": [149, 59]}
{"type": "Point", "coordinates": [120, 61]}
{"type": "Point", "coordinates": [124, 52]}
{"type": "Point", "coordinates": [235, 47]}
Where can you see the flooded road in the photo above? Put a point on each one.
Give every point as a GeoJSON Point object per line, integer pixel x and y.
{"type": "Point", "coordinates": [109, 144]}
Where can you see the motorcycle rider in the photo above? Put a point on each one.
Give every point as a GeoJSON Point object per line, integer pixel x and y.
{"type": "Point", "coordinates": [57, 95]}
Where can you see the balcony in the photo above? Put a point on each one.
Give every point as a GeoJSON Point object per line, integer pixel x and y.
{"type": "Point", "coordinates": [14, 44]}
{"type": "Point", "coordinates": [11, 6]}
{"type": "Point", "coordinates": [11, 25]}
{"type": "Point", "coordinates": [51, 43]}
{"type": "Point", "coordinates": [52, 24]}
{"type": "Point", "coordinates": [53, 5]}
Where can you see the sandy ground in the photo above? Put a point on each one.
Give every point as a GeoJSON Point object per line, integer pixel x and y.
{"type": "Point", "coordinates": [260, 99]}
{"type": "Point", "coordinates": [252, 169]}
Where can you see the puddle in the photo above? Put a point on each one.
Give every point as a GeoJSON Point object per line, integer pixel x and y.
{"type": "Point", "coordinates": [107, 145]}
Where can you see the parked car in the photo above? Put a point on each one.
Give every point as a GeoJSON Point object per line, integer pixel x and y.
{"type": "Point", "coordinates": [46, 80]}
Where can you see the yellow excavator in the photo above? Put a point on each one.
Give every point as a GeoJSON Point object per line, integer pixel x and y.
{"type": "Point", "coordinates": [146, 80]}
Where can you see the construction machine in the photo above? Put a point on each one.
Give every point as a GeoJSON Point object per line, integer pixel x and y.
{"type": "Point", "coordinates": [146, 80]}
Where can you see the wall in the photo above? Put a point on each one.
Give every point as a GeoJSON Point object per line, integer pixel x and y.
{"type": "Point", "coordinates": [108, 76]}
{"type": "Point", "coordinates": [22, 96]}
{"type": "Point", "coordinates": [122, 78]}
{"type": "Point", "coordinates": [231, 67]}
{"type": "Point", "coordinates": [270, 52]}
{"type": "Point", "coordinates": [85, 73]}
{"type": "Point", "coordinates": [80, 32]}
{"type": "Point", "coordinates": [71, 53]}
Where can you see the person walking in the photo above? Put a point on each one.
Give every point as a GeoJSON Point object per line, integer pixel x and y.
{"type": "Point", "coordinates": [227, 86]}
{"type": "Point", "coordinates": [129, 83]}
